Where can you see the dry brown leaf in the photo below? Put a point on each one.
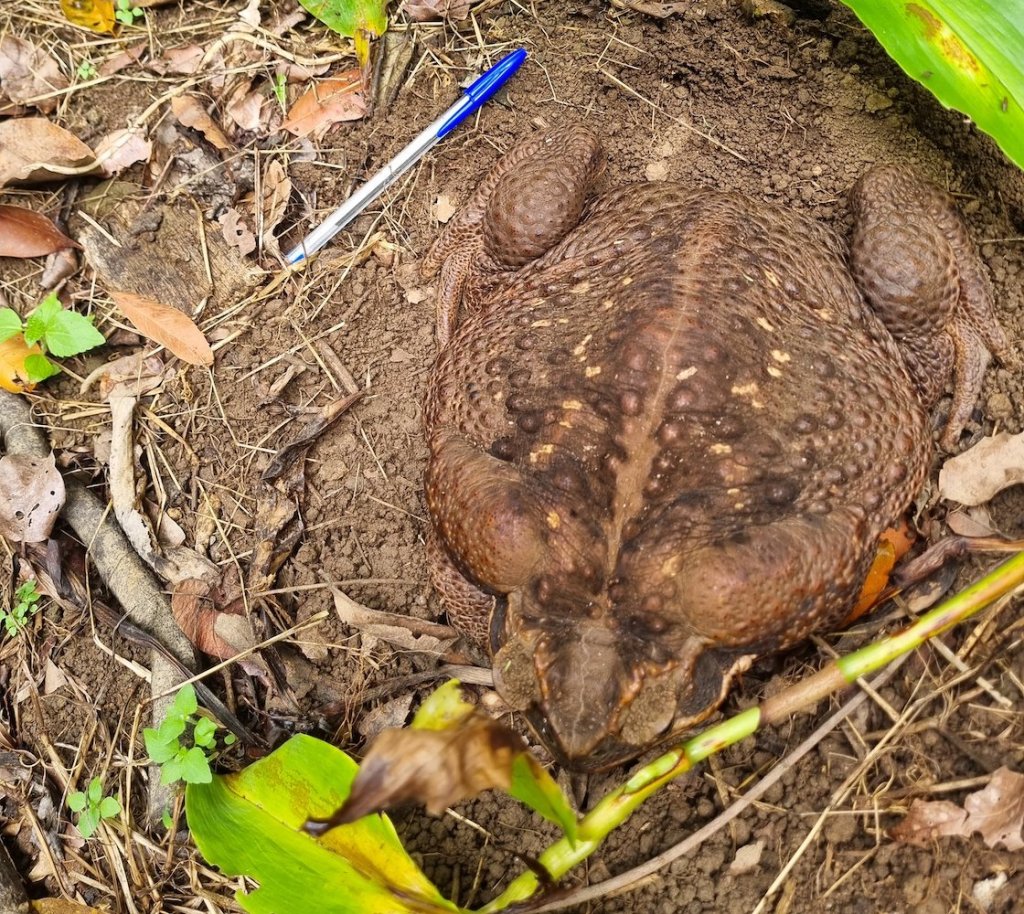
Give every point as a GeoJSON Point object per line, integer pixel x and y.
{"type": "Point", "coordinates": [123, 59]}
{"type": "Point", "coordinates": [443, 208]}
{"type": "Point", "coordinates": [976, 475]}
{"type": "Point", "coordinates": [244, 107]}
{"type": "Point", "coordinates": [62, 906]}
{"type": "Point", "coordinates": [400, 631]}
{"type": "Point", "coordinates": [118, 150]}
{"type": "Point", "coordinates": [189, 111]}
{"type": "Point", "coordinates": [27, 74]}
{"type": "Point", "coordinates": [277, 189]}
{"type": "Point", "coordinates": [165, 325]}
{"type": "Point", "coordinates": [24, 233]}
{"type": "Point", "coordinates": [180, 61]}
{"type": "Point", "coordinates": [425, 10]}
{"type": "Point", "coordinates": [326, 104]}
{"type": "Point", "coordinates": [31, 496]}
{"type": "Point", "coordinates": [434, 767]}
{"type": "Point", "coordinates": [216, 631]}
{"type": "Point", "coordinates": [34, 150]}
{"type": "Point", "coordinates": [928, 820]}
{"type": "Point", "coordinates": [997, 810]}
{"type": "Point", "coordinates": [59, 266]}
{"type": "Point", "coordinates": [129, 376]}
{"type": "Point", "coordinates": [236, 232]}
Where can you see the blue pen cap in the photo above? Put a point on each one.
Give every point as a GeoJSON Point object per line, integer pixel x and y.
{"type": "Point", "coordinates": [482, 89]}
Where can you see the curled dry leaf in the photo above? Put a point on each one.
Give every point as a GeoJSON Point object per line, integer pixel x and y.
{"type": "Point", "coordinates": [326, 104]}
{"type": "Point", "coordinates": [123, 59]}
{"type": "Point", "coordinates": [996, 811]}
{"type": "Point", "coordinates": [277, 189]}
{"type": "Point", "coordinates": [978, 474]}
{"type": "Point", "coordinates": [425, 10]}
{"type": "Point", "coordinates": [132, 375]}
{"type": "Point", "coordinates": [120, 149]}
{"type": "Point", "coordinates": [28, 75]}
{"type": "Point", "coordinates": [31, 496]}
{"type": "Point", "coordinates": [24, 233]}
{"type": "Point", "coordinates": [236, 232]}
{"type": "Point", "coordinates": [165, 325]}
{"type": "Point", "coordinates": [59, 266]}
{"type": "Point", "coordinates": [180, 61]}
{"type": "Point", "coordinates": [221, 633]}
{"type": "Point", "coordinates": [190, 112]}
{"type": "Point", "coordinates": [33, 150]}
{"type": "Point", "coordinates": [244, 108]}
{"type": "Point", "coordinates": [434, 767]}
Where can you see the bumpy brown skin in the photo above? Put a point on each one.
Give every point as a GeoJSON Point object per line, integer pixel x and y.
{"type": "Point", "coordinates": [670, 431]}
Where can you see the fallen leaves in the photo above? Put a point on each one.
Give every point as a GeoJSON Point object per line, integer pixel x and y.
{"type": "Point", "coordinates": [996, 812]}
{"type": "Point", "coordinates": [24, 233]}
{"type": "Point", "coordinates": [165, 325]}
{"type": "Point", "coordinates": [360, 20]}
{"type": "Point", "coordinates": [190, 112]}
{"type": "Point", "coordinates": [28, 76]}
{"type": "Point", "coordinates": [33, 150]}
{"type": "Point", "coordinates": [978, 474]}
{"type": "Point", "coordinates": [94, 15]}
{"type": "Point", "coordinates": [236, 232]}
{"type": "Point", "coordinates": [31, 496]}
{"type": "Point", "coordinates": [327, 103]}
{"type": "Point", "coordinates": [120, 149]}
{"type": "Point", "coordinates": [426, 10]}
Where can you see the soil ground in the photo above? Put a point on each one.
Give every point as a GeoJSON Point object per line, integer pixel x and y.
{"type": "Point", "coordinates": [791, 113]}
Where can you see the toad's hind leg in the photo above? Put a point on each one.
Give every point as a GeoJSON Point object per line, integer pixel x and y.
{"type": "Point", "coordinates": [527, 203]}
{"type": "Point", "coordinates": [914, 261]}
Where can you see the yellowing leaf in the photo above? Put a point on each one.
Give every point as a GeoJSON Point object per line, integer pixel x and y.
{"type": "Point", "coordinates": [13, 374]}
{"type": "Point", "coordinates": [94, 15]}
{"type": "Point", "coordinates": [165, 325]}
{"type": "Point", "coordinates": [360, 20]}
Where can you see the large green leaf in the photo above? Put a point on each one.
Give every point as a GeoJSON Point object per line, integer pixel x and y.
{"type": "Point", "coordinates": [250, 824]}
{"type": "Point", "coordinates": [359, 20]}
{"type": "Point", "coordinates": [969, 53]}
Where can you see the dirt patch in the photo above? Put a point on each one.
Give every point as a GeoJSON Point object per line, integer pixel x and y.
{"type": "Point", "coordinates": [706, 98]}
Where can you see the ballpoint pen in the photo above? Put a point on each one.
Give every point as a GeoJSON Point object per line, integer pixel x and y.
{"type": "Point", "coordinates": [473, 97]}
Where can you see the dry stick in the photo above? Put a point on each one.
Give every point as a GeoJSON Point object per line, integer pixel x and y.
{"type": "Point", "coordinates": [139, 594]}
{"type": "Point", "coordinates": [625, 880]}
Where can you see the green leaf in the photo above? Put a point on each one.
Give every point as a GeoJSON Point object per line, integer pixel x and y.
{"type": "Point", "coordinates": [158, 748]}
{"type": "Point", "coordinates": [968, 54]}
{"type": "Point", "coordinates": [532, 785]}
{"type": "Point", "coordinates": [170, 771]}
{"type": "Point", "coordinates": [95, 791]}
{"type": "Point", "coordinates": [195, 767]}
{"type": "Point", "coordinates": [10, 324]}
{"type": "Point", "coordinates": [41, 317]}
{"type": "Point", "coordinates": [88, 822]}
{"type": "Point", "coordinates": [168, 822]}
{"type": "Point", "coordinates": [77, 801]}
{"type": "Point", "coordinates": [347, 17]}
{"type": "Point", "coordinates": [109, 807]}
{"type": "Point", "coordinates": [360, 868]}
{"type": "Point", "coordinates": [204, 732]}
{"type": "Point", "coordinates": [185, 702]}
{"type": "Point", "coordinates": [70, 333]}
{"type": "Point", "coordinates": [170, 729]}
{"type": "Point", "coordinates": [39, 368]}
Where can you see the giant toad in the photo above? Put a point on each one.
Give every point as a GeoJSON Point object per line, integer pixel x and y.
{"type": "Point", "coordinates": [672, 425]}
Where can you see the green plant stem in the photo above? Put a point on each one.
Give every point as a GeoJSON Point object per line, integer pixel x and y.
{"type": "Point", "coordinates": [613, 810]}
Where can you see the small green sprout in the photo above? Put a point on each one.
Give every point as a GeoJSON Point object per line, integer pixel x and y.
{"type": "Point", "coordinates": [92, 807]}
{"type": "Point", "coordinates": [86, 70]}
{"type": "Point", "coordinates": [184, 743]}
{"type": "Point", "coordinates": [126, 12]}
{"type": "Point", "coordinates": [56, 329]}
{"type": "Point", "coordinates": [280, 87]}
{"type": "Point", "coordinates": [26, 599]}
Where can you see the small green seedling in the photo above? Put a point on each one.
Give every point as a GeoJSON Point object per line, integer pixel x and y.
{"type": "Point", "coordinates": [26, 600]}
{"type": "Point", "coordinates": [92, 807]}
{"type": "Point", "coordinates": [57, 330]}
{"type": "Point", "coordinates": [280, 87]}
{"type": "Point", "coordinates": [126, 12]}
{"type": "Point", "coordinates": [86, 70]}
{"type": "Point", "coordinates": [184, 743]}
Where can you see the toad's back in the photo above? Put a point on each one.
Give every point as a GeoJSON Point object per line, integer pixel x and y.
{"type": "Point", "coordinates": [683, 369]}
